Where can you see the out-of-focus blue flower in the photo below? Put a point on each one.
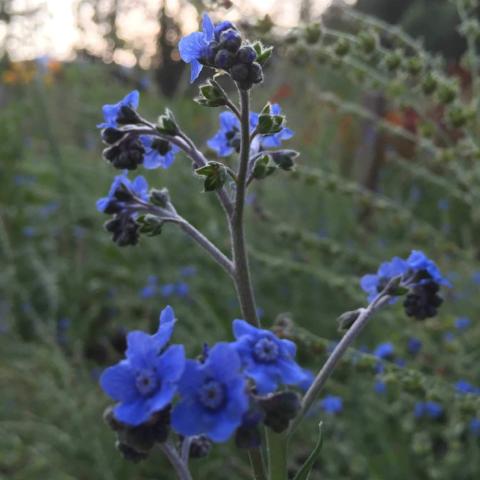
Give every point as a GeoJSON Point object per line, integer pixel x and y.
{"type": "Point", "coordinates": [227, 140]}
{"type": "Point", "coordinates": [194, 47]}
{"type": "Point", "coordinates": [384, 351]}
{"type": "Point", "coordinates": [331, 404]}
{"type": "Point", "coordinates": [146, 381]}
{"type": "Point", "coordinates": [29, 231]}
{"type": "Point", "coordinates": [475, 426]}
{"type": "Point", "coordinates": [305, 384]}
{"type": "Point", "coordinates": [380, 387]}
{"type": "Point", "coordinates": [213, 395]}
{"type": "Point", "coordinates": [463, 387]}
{"type": "Point", "coordinates": [374, 283]}
{"type": "Point", "coordinates": [267, 359]}
{"type": "Point", "coordinates": [188, 271]}
{"type": "Point", "coordinates": [111, 112]}
{"type": "Point", "coordinates": [448, 337]}
{"type": "Point", "coordinates": [400, 362]}
{"type": "Point", "coordinates": [138, 188]}
{"type": "Point", "coordinates": [48, 209]}
{"type": "Point", "coordinates": [150, 289]}
{"type": "Point", "coordinates": [414, 345]}
{"type": "Point", "coordinates": [178, 288]}
{"type": "Point", "coordinates": [428, 409]}
{"type": "Point", "coordinates": [415, 193]}
{"type": "Point", "coordinates": [153, 158]}
{"type": "Point", "coordinates": [476, 277]}
{"type": "Point", "coordinates": [443, 204]}
{"type": "Point", "coordinates": [462, 323]}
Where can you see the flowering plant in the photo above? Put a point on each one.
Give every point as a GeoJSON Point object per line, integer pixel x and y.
{"type": "Point", "coordinates": [250, 389]}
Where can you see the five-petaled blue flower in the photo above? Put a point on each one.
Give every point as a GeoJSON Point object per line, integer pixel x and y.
{"type": "Point", "coordinates": [463, 387]}
{"type": "Point", "coordinates": [111, 112]}
{"type": "Point", "coordinates": [213, 395]}
{"type": "Point", "coordinates": [414, 345]}
{"type": "Point", "coordinates": [146, 381]}
{"type": "Point", "coordinates": [153, 158]}
{"type": "Point", "coordinates": [138, 188]}
{"type": "Point", "coordinates": [267, 359]}
{"type": "Point", "coordinates": [462, 323]}
{"type": "Point", "coordinates": [331, 404]}
{"type": "Point", "coordinates": [227, 140]}
{"type": "Point", "coordinates": [418, 261]}
{"type": "Point", "coordinates": [194, 47]}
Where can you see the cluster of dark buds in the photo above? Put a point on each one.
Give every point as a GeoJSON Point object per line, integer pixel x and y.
{"type": "Point", "coordinates": [418, 277]}
{"type": "Point", "coordinates": [221, 47]}
{"type": "Point", "coordinates": [230, 391]}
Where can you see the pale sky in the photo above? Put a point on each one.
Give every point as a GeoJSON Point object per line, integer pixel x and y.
{"type": "Point", "coordinates": [55, 33]}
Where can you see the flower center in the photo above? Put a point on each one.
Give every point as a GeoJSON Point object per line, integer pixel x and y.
{"type": "Point", "coordinates": [212, 394]}
{"type": "Point", "coordinates": [146, 382]}
{"type": "Point", "coordinates": [233, 138]}
{"type": "Point", "coordinates": [265, 350]}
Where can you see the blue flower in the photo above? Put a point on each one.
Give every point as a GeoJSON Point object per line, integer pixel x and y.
{"type": "Point", "coordinates": [462, 323]}
{"type": "Point", "coordinates": [111, 112]}
{"type": "Point", "coordinates": [384, 350]}
{"type": "Point", "coordinates": [267, 359]}
{"type": "Point", "coordinates": [213, 395]}
{"type": "Point", "coordinates": [463, 387]}
{"type": "Point", "coordinates": [374, 283]}
{"type": "Point", "coordinates": [146, 381]}
{"type": "Point", "coordinates": [227, 140]}
{"type": "Point", "coordinates": [150, 289]}
{"type": "Point", "coordinates": [138, 188]}
{"type": "Point", "coordinates": [155, 157]}
{"type": "Point", "coordinates": [380, 387]}
{"type": "Point", "coordinates": [429, 409]}
{"type": "Point", "coordinates": [419, 261]}
{"type": "Point", "coordinates": [448, 337]}
{"type": "Point", "coordinates": [331, 404]}
{"type": "Point", "coordinates": [194, 47]}
{"type": "Point", "coordinates": [475, 426]}
{"type": "Point", "coordinates": [414, 345]}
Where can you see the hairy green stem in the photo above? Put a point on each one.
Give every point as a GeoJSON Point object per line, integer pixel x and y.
{"type": "Point", "coordinates": [180, 467]}
{"type": "Point", "coordinates": [337, 355]}
{"type": "Point", "coordinates": [242, 272]}
{"type": "Point", "coordinates": [256, 462]}
{"type": "Point", "coordinates": [277, 455]}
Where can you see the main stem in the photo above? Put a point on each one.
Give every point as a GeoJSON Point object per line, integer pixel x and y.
{"type": "Point", "coordinates": [242, 272]}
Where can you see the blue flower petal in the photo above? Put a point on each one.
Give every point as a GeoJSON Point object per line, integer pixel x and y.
{"type": "Point", "coordinates": [133, 413]}
{"type": "Point", "coordinates": [118, 382]}
{"type": "Point", "coordinates": [208, 27]}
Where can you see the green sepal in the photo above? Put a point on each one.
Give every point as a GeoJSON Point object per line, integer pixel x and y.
{"type": "Point", "coordinates": [270, 124]}
{"type": "Point", "coordinates": [347, 319]}
{"type": "Point", "coordinates": [150, 225]}
{"type": "Point", "coordinates": [264, 166]}
{"type": "Point", "coordinates": [215, 174]}
{"type": "Point", "coordinates": [306, 469]}
{"type": "Point", "coordinates": [211, 95]}
{"type": "Point", "coordinates": [160, 198]}
{"type": "Point", "coordinates": [167, 123]}
{"type": "Point", "coordinates": [263, 53]}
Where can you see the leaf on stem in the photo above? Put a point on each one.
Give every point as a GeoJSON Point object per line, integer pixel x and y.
{"type": "Point", "coordinates": [304, 472]}
{"type": "Point", "coordinates": [215, 174]}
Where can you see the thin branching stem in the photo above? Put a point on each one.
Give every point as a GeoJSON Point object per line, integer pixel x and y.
{"type": "Point", "coordinates": [181, 468]}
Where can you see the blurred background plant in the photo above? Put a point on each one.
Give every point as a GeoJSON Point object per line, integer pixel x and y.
{"type": "Point", "coordinates": [384, 104]}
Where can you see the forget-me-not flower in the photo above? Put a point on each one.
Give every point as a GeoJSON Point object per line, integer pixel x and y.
{"type": "Point", "coordinates": [111, 113]}
{"type": "Point", "coordinates": [122, 192]}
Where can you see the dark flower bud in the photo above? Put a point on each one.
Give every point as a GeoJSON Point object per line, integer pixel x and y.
{"type": "Point", "coordinates": [128, 154]}
{"type": "Point", "coordinates": [256, 73]}
{"type": "Point", "coordinates": [200, 446]}
{"type": "Point", "coordinates": [112, 135]}
{"type": "Point", "coordinates": [246, 54]}
{"type": "Point", "coordinates": [211, 51]}
{"type": "Point", "coordinates": [240, 72]}
{"type": "Point", "coordinates": [139, 438]}
{"type": "Point", "coordinates": [423, 301]}
{"type": "Point", "coordinates": [123, 194]}
{"type": "Point", "coordinates": [128, 115]}
{"type": "Point", "coordinates": [231, 40]}
{"type": "Point", "coordinates": [160, 424]}
{"type": "Point", "coordinates": [224, 59]}
{"type": "Point", "coordinates": [279, 409]}
{"type": "Point", "coordinates": [161, 146]}
{"type": "Point", "coordinates": [124, 230]}
{"type": "Point", "coordinates": [248, 434]}
{"type": "Point", "coordinates": [129, 453]}
{"type": "Point", "coordinates": [118, 340]}
{"type": "Point", "coordinates": [111, 421]}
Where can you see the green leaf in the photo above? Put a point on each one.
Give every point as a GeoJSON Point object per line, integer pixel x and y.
{"type": "Point", "coordinates": [304, 472]}
{"type": "Point", "coordinates": [211, 95]}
